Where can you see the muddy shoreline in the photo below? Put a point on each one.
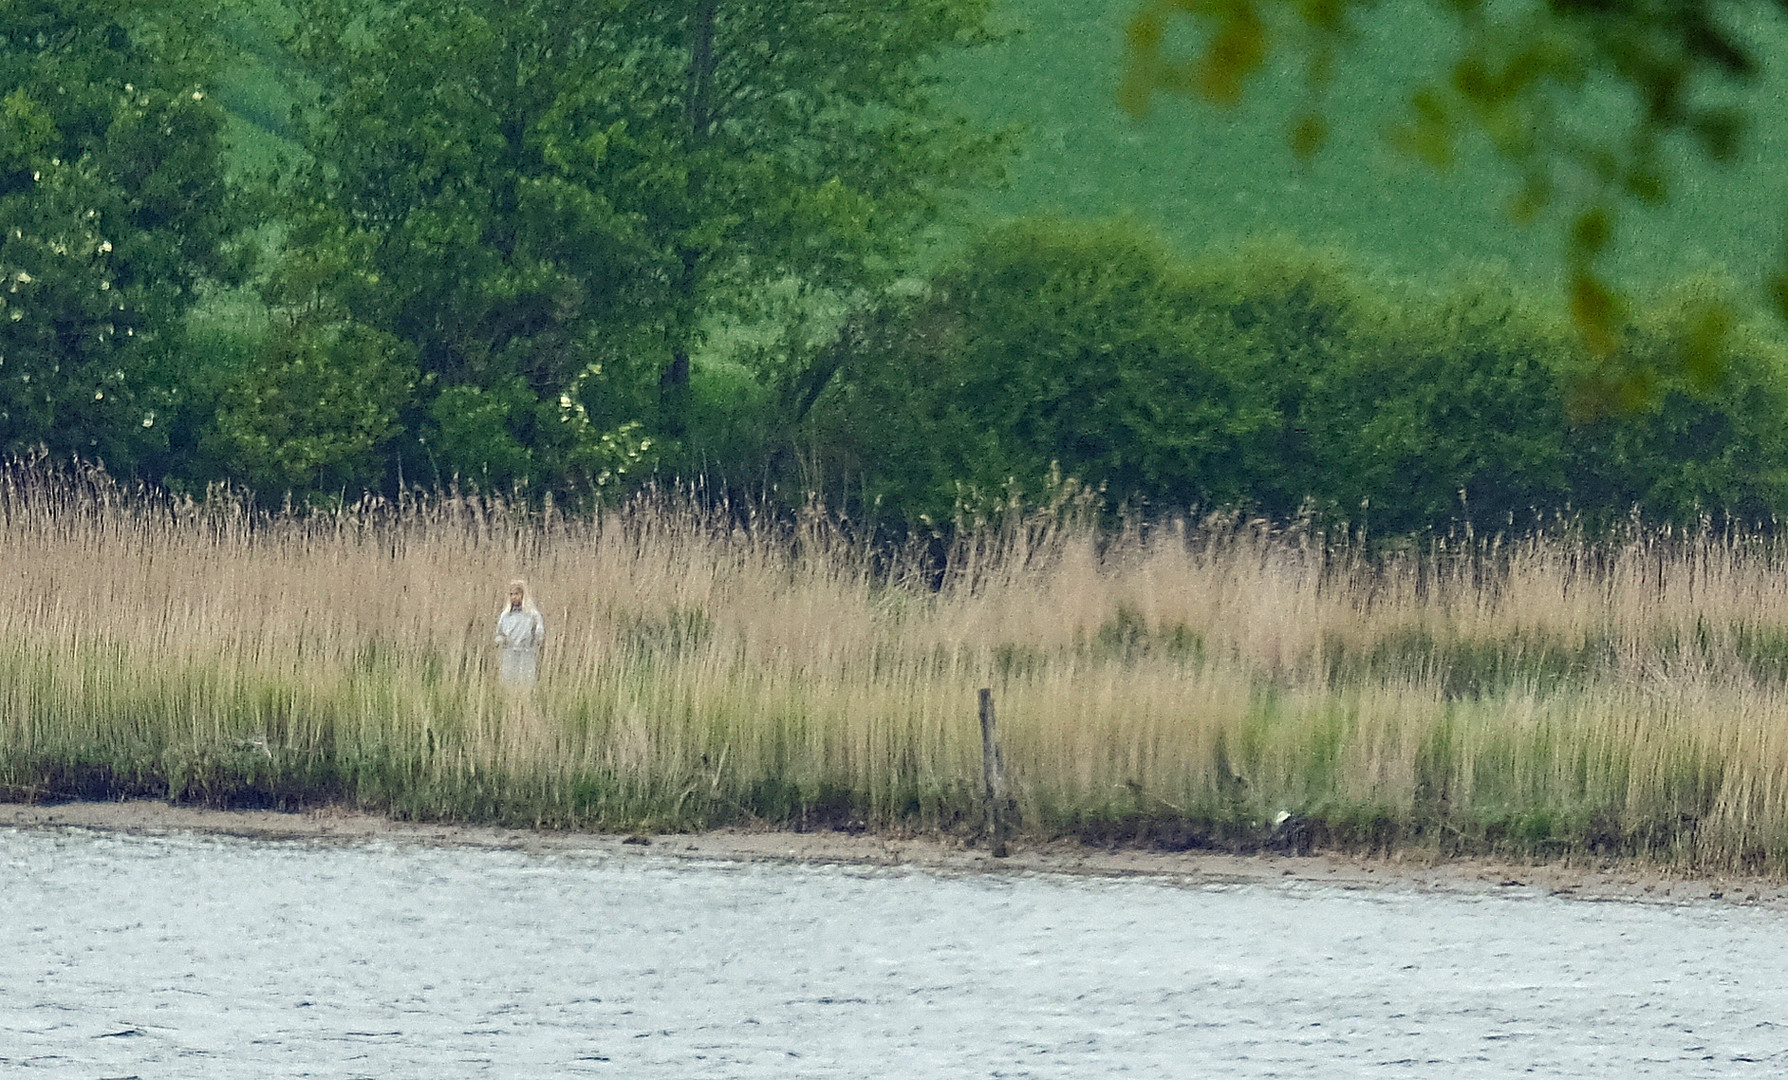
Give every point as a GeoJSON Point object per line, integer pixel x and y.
{"type": "Point", "coordinates": [1618, 881]}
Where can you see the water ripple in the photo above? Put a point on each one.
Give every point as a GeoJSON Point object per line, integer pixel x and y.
{"type": "Point", "coordinates": [163, 956]}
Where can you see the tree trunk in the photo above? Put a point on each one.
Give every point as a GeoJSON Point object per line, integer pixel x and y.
{"type": "Point", "coordinates": [698, 115]}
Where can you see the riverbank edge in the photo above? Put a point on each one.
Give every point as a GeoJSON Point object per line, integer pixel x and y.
{"type": "Point", "coordinates": [1616, 881]}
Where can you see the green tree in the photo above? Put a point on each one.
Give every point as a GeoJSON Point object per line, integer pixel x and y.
{"type": "Point", "coordinates": [1681, 76]}
{"type": "Point", "coordinates": [548, 199]}
{"type": "Point", "coordinates": [113, 213]}
{"type": "Point", "coordinates": [313, 411]}
{"type": "Point", "coordinates": [1689, 445]}
{"type": "Point", "coordinates": [462, 199]}
{"type": "Point", "coordinates": [1278, 382]}
{"type": "Point", "coordinates": [1049, 350]}
{"type": "Point", "coordinates": [807, 138]}
{"type": "Point", "coordinates": [1449, 411]}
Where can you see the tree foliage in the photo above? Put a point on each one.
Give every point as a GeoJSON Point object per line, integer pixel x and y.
{"type": "Point", "coordinates": [1282, 384]}
{"type": "Point", "coordinates": [1048, 347]}
{"type": "Point", "coordinates": [547, 199]}
{"type": "Point", "coordinates": [113, 212]}
{"type": "Point", "coordinates": [462, 200]}
{"type": "Point", "coordinates": [313, 410]}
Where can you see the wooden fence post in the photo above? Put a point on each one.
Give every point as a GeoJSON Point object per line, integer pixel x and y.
{"type": "Point", "coordinates": [993, 775]}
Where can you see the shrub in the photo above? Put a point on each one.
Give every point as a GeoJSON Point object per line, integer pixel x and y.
{"type": "Point", "coordinates": [1279, 382]}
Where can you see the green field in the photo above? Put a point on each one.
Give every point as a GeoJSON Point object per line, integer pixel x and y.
{"type": "Point", "coordinates": [1208, 177]}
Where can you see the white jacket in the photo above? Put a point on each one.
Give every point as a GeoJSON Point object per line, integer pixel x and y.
{"type": "Point", "coordinates": [521, 629]}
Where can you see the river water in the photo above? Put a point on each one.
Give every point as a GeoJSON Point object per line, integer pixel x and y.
{"type": "Point", "coordinates": [192, 956]}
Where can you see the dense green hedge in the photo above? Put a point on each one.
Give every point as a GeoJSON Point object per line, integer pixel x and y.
{"type": "Point", "coordinates": [1280, 383]}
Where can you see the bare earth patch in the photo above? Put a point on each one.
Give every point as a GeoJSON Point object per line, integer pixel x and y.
{"type": "Point", "coordinates": [1612, 882]}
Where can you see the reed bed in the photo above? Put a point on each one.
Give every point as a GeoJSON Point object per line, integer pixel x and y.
{"type": "Point", "coordinates": [1181, 685]}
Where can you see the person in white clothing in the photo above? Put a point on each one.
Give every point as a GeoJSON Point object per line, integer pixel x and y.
{"type": "Point", "coordinates": [520, 633]}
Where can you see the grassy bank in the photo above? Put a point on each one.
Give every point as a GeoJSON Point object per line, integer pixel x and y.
{"type": "Point", "coordinates": [1545, 697]}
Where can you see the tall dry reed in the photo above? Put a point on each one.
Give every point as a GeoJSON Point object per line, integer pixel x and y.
{"type": "Point", "coordinates": [1543, 696]}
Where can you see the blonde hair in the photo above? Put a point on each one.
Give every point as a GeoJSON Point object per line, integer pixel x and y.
{"type": "Point", "coordinates": [527, 594]}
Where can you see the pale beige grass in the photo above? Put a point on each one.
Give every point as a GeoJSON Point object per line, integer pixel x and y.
{"type": "Point", "coordinates": [1219, 673]}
